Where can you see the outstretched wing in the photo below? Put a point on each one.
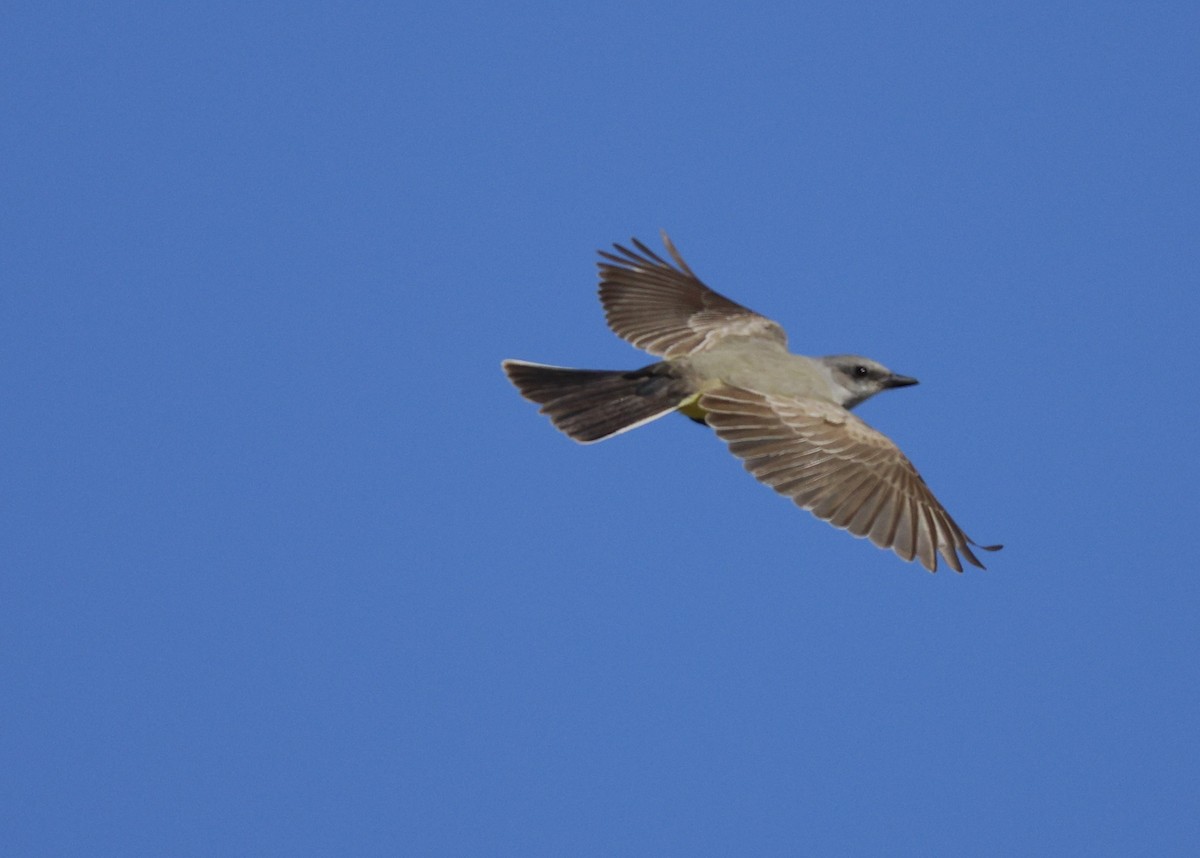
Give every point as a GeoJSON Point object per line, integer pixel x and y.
{"type": "Point", "coordinates": [839, 468]}
{"type": "Point", "coordinates": [665, 309]}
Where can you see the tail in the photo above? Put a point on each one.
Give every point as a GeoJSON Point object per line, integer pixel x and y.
{"type": "Point", "coordinates": [591, 405]}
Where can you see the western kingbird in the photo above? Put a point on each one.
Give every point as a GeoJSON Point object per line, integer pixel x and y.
{"type": "Point", "coordinates": [785, 416]}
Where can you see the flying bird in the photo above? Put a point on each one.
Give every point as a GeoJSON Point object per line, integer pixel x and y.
{"type": "Point", "coordinates": [786, 416]}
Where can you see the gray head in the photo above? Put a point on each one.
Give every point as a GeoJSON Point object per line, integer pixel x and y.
{"type": "Point", "coordinates": [856, 378]}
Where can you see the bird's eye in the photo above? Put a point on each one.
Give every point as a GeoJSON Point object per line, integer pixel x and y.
{"type": "Point", "coordinates": [861, 372]}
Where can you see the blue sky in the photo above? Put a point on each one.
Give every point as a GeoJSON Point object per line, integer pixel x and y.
{"type": "Point", "coordinates": [290, 569]}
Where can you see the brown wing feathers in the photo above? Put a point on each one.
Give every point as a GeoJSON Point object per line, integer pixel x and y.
{"type": "Point", "coordinates": [843, 471]}
{"type": "Point", "coordinates": [667, 310]}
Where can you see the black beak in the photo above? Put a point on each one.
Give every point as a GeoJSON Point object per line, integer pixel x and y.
{"type": "Point", "coordinates": [900, 381]}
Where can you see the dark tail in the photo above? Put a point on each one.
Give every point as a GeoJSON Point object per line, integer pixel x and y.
{"type": "Point", "coordinates": [591, 405]}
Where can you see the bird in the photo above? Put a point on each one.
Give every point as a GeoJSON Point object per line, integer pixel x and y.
{"type": "Point", "coordinates": [786, 416]}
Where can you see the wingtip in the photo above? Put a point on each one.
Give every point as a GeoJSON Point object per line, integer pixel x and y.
{"type": "Point", "coordinates": [674, 253]}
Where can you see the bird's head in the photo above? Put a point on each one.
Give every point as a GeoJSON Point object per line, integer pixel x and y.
{"type": "Point", "coordinates": [857, 378]}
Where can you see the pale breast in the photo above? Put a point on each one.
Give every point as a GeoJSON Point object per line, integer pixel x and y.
{"type": "Point", "coordinates": [756, 364]}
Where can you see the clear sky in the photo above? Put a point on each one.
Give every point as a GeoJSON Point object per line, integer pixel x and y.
{"type": "Point", "coordinates": [288, 568]}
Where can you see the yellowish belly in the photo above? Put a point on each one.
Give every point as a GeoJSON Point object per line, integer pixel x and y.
{"type": "Point", "coordinates": [691, 407]}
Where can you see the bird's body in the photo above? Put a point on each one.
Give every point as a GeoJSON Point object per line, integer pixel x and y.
{"type": "Point", "coordinates": [759, 365]}
{"type": "Point", "coordinates": [785, 415]}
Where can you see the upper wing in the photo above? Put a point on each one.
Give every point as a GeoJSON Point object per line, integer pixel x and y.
{"type": "Point", "coordinates": [830, 462]}
{"type": "Point", "coordinates": [666, 310]}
